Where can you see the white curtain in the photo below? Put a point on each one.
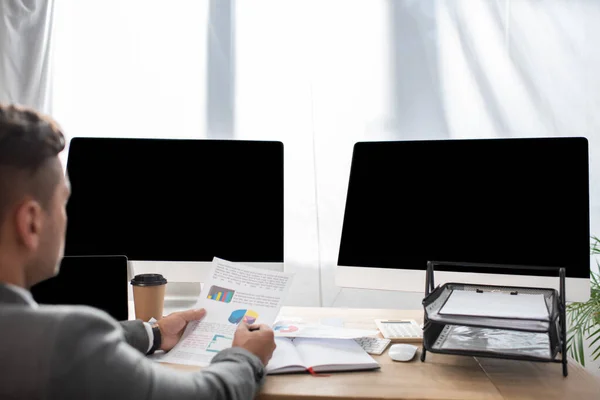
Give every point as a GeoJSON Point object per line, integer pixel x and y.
{"type": "Point", "coordinates": [130, 68]}
{"type": "Point", "coordinates": [321, 75]}
{"type": "Point", "coordinates": [25, 32]}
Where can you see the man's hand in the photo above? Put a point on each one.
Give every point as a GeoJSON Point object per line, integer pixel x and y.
{"type": "Point", "coordinates": [172, 326]}
{"type": "Point", "coordinates": [257, 339]}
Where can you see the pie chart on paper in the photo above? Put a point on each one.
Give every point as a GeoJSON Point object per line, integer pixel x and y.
{"type": "Point", "coordinates": [247, 316]}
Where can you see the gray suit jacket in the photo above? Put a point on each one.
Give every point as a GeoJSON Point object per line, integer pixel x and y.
{"type": "Point", "coordinates": [63, 352]}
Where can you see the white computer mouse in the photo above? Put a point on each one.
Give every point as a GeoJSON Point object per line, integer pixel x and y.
{"type": "Point", "coordinates": [402, 351]}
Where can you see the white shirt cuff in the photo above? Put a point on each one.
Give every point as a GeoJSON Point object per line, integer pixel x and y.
{"type": "Point", "coordinates": [150, 335]}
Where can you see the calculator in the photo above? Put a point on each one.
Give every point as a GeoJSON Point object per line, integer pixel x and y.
{"type": "Point", "coordinates": [400, 330]}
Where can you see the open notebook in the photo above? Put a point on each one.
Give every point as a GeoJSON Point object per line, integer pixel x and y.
{"type": "Point", "coordinates": [318, 355]}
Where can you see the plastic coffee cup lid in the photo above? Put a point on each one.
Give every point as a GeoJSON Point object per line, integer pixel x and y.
{"type": "Point", "coordinates": [148, 280]}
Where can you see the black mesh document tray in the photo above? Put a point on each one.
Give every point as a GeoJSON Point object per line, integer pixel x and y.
{"type": "Point", "coordinates": [533, 338]}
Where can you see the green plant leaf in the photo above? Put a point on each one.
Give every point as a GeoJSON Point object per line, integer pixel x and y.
{"type": "Point", "coordinates": [596, 354]}
{"type": "Point", "coordinates": [595, 337]}
{"type": "Point", "coordinates": [595, 245]}
{"type": "Point", "coordinates": [580, 352]}
{"type": "Point", "coordinates": [584, 318]}
{"type": "Point", "coordinates": [571, 347]}
{"type": "Point", "coordinates": [596, 333]}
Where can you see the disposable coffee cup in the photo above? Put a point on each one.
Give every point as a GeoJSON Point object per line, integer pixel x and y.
{"type": "Point", "coordinates": [149, 296]}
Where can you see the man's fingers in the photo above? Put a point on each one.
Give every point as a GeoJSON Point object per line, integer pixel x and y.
{"type": "Point", "coordinates": [253, 327]}
{"type": "Point", "coordinates": [242, 326]}
{"type": "Point", "coordinates": [193, 315]}
{"type": "Point", "coordinates": [259, 327]}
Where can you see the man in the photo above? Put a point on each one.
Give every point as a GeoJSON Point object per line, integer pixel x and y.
{"type": "Point", "coordinates": [62, 352]}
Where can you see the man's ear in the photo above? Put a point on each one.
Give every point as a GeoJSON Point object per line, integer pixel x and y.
{"type": "Point", "coordinates": [29, 220]}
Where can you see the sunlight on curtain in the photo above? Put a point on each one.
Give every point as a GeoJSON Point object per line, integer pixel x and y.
{"type": "Point", "coordinates": [523, 69]}
{"type": "Point", "coordinates": [321, 75]}
{"type": "Point", "coordinates": [314, 78]}
{"type": "Point", "coordinates": [314, 75]}
{"type": "Point", "coordinates": [134, 68]}
{"type": "Point", "coordinates": [516, 71]}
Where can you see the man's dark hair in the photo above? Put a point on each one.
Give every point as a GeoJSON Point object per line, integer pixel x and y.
{"type": "Point", "coordinates": [28, 142]}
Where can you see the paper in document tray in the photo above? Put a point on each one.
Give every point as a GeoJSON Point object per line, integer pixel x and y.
{"type": "Point", "coordinates": [463, 304]}
{"type": "Point", "coordinates": [496, 305]}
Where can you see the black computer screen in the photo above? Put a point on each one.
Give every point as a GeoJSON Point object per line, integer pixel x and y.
{"type": "Point", "coordinates": [176, 200]}
{"type": "Point", "coordinates": [99, 282]}
{"type": "Point", "coordinates": [495, 201]}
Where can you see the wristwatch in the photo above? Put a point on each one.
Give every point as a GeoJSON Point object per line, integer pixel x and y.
{"type": "Point", "coordinates": [157, 339]}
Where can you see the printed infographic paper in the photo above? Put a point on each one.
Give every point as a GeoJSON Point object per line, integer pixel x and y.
{"type": "Point", "coordinates": [234, 294]}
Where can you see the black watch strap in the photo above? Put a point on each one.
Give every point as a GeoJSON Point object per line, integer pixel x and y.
{"type": "Point", "coordinates": [157, 339]}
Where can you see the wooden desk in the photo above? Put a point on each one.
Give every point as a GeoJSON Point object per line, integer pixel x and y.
{"type": "Point", "coordinates": [439, 377]}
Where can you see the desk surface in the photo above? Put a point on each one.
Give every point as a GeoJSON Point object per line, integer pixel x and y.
{"type": "Point", "coordinates": [439, 377]}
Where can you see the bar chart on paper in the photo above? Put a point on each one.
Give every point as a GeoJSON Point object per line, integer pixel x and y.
{"type": "Point", "coordinates": [221, 294]}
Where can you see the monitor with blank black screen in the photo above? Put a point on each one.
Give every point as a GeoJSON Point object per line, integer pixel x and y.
{"type": "Point", "coordinates": [172, 202]}
{"type": "Point", "coordinates": [522, 201]}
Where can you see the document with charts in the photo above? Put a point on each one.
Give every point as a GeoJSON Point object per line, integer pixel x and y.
{"type": "Point", "coordinates": [233, 294]}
